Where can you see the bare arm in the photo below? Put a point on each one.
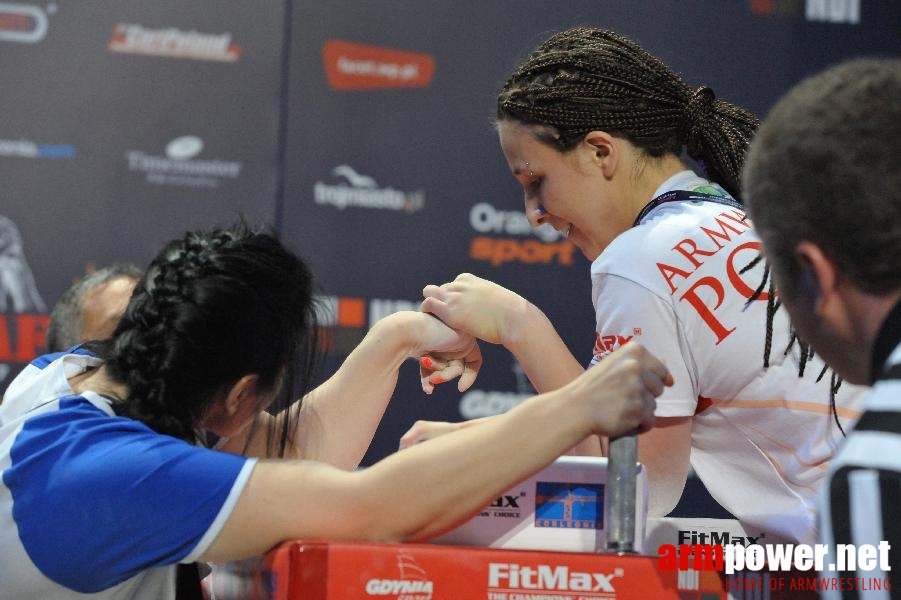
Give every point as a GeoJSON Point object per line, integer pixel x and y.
{"type": "Point", "coordinates": [665, 452]}
{"type": "Point", "coordinates": [338, 419]}
{"type": "Point", "coordinates": [407, 495]}
{"type": "Point", "coordinates": [498, 315]}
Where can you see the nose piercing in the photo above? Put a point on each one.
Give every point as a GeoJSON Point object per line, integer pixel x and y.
{"type": "Point", "coordinates": [540, 211]}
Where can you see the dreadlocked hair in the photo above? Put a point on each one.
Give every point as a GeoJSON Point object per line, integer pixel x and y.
{"type": "Point", "coordinates": [211, 308]}
{"type": "Point", "coordinates": [806, 353]}
{"type": "Point", "coordinates": [586, 79]}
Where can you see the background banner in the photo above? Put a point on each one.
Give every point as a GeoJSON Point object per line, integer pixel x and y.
{"type": "Point", "coordinates": [361, 132]}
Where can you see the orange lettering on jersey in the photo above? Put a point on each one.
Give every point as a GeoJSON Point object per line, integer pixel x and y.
{"type": "Point", "coordinates": [669, 272]}
{"type": "Point", "coordinates": [690, 254]}
{"type": "Point", "coordinates": [735, 278]}
{"type": "Point", "coordinates": [605, 344]}
{"type": "Point", "coordinates": [705, 312]}
{"type": "Point", "coordinates": [714, 236]}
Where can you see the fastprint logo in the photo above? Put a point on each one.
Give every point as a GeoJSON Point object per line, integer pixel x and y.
{"type": "Point", "coordinates": [511, 576]}
{"type": "Point", "coordinates": [569, 505]}
{"type": "Point", "coordinates": [23, 23]}
{"type": "Point", "coordinates": [413, 584]}
{"type": "Point", "coordinates": [29, 149]}
{"type": "Point", "coordinates": [353, 66]}
{"type": "Point", "coordinates": [178, 166]}
{"type": "Point", "coordinates": [825, 11]}
{"type": "Point", "coordinates": [485, 218]}
{"type": "Point", "coordinates": [131, 38]}
{"type": "Point", "coordinates": [362, 191]}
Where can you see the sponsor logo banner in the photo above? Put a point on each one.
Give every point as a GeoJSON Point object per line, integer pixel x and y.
{"type": "Point", "coordinates": [817, 11]}
{"type": "Point", "coordinates": [28, 149]}
{"type": "Point", "coordinates": [23, 23]}
{"type": "Point", "coordinates": [354, 190]}
{"type": "Point", "coordinates": [551, 247]}
{"type": "Point", "coordinates": [353, 66]}
{"type": "Point", "coordinates": [180, 167]}
{"type": "Point", "coordinates": [131, 38]}
{"type": "Point", "coordinates": [23, 314]}
{"type": "Point", "coordinates": [569, 505]}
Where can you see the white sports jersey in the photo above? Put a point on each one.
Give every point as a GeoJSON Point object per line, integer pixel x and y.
{"type": "Point", "coordinates": [93, 505]}
{"type": "Point", "coordinates": [761, 437]}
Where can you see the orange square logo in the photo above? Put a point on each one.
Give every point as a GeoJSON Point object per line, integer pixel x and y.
{"type": "Point", "coordinates": [351, 312]}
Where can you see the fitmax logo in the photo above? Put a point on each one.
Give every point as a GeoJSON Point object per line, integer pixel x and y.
{"type": "Point", "coordinates": [722, 538]}
{"type": "Point", "coordinates": [505, 502]}
{"type": "Point", "coordinates": [546, 577]}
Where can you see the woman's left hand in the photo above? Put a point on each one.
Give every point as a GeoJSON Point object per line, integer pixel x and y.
{"type": "Point", "coordinates": [445, 354]}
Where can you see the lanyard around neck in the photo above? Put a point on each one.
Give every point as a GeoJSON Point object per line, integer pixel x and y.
{"type": "Point", "coordinates": [683, 195]}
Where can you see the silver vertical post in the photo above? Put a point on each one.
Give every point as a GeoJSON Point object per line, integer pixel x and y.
{"type": "Point", "coordinates": [619, 501]}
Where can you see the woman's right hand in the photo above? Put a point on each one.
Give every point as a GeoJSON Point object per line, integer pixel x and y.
{"type": "Point", "coordinates": [483, 308]}
{"type": "Point", "coordinates": [619, 392]}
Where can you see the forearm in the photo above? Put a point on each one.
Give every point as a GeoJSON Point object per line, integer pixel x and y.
{"type": "Point", "coordinates": [540, 351]}
{"type": "Point", "coordinates": [455, 475]}
{"type": "Point", "coordinates": [665, 451]}
{"type": "Point", "coordinates": [411, 495]}
{"type": "Point", "coordinates": [339, 418]}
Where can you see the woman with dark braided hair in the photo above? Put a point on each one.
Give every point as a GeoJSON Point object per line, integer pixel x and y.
{"type": "Point", "coordinates": [594, 127]}
{"type": "Point", "coordinates": [107, 487]}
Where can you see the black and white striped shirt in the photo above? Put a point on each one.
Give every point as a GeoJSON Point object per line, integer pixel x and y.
{"type": "Point", "coordinates": [861, 503]}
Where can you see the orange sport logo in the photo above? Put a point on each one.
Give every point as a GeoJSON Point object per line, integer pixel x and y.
{"type": "Point", "coordinates": [353, 66]}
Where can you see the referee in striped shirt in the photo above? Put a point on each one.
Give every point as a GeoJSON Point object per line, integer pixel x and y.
{"type": "Point", "coordinates": [823, 187]}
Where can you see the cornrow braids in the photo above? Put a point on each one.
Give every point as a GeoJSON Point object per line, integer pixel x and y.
{"type": "Point", "coordinates": [212, 308]}
{"type": "Point", "coordinates": [584, 79]}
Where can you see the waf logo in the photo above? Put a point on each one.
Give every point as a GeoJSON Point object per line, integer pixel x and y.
{"type": "Point", "coordinates": [23, 314]}
{"type": "Point", "coordinates": [413, 583]}
{"type": "Point", "coordinates": [569, 505]}
{"type": "Point", "coordinates": [23, 23]}
{"type": "Point", "coordinates": [352, 66]}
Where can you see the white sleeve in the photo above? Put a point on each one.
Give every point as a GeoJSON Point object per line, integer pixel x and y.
{"type": "Point", "coordinates": [628, 311]}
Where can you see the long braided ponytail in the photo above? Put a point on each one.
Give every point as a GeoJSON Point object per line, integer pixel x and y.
{"type": "Point", "coordinates": [212, 308]}
{"type": "Point", "coordinates": [586, 79]}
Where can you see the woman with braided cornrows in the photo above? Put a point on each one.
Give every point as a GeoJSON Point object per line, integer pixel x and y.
{"type": "Point", "coordinates": [107, 488]}
{"type": "Point", "coordinates": [593, 127]}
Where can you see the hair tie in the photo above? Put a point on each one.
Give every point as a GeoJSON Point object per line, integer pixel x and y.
{"type": "Point", "coordinates": [698, 108]}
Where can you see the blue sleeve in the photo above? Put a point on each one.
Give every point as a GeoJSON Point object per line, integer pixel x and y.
{"type": "Point", "coordinates": [98, 499]}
